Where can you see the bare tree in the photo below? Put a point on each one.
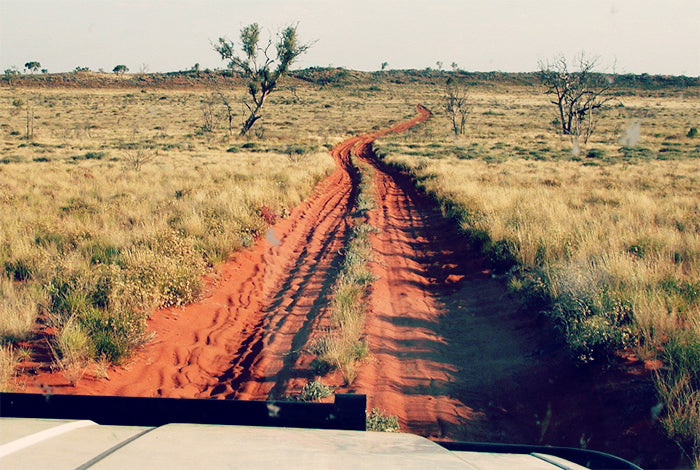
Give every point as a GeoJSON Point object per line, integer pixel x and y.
{"type": "Point", "coordinates": [578, 94]}
{"type": "Point", "coordinates": [229, 111]}
{"type": "Point", "coordinates": [456, 104]}
{"type": "Point", "coordinates": [135, 158]}
{"type": "Point", "coordinates": [258, 66]}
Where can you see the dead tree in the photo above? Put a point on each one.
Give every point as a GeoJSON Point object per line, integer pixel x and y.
{"type": "Point", "coordinates": [578, 94]}
{"type": "Point", "coordinates": [456, 104]}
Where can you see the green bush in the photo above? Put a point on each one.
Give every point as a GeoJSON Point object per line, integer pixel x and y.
{"type": "Point", "coordinates": [532, 288]}
{"type": "Point", "coordinates": [599, 154]}
{"type": "Point", "coordinates": [20, 269]}
{"type": "Point", "coordinates": [114, 334]}
{"type": "Point", "coordinates": [378, 422]}
{"type": "Point", "coordinates": [501, 254]}
{"type": "Point", "coordinates": [595, 322]}
{"type": "Point", "coordinates": [314, 391]}
{"type": "Point", "coordinates": [103, 253]}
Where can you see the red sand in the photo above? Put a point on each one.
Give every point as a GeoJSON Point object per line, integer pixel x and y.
{"type": "Point", "coordinates": [451, 353]}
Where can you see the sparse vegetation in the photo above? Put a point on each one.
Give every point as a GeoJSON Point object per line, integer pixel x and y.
{"type": "Point", "coordinates": [456, 104]}
{"type": "Point", "coordinates": [91, 248]}
{"type": "Point", "coordinates": [579, 94]}
{"type": "Point", "coordinates": [344, 346]}
{"type": "Point", "coordinates": [605, 242]}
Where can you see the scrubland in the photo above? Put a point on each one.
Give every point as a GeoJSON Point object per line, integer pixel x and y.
{"type": "Point", "coordinates": [120, 203]}
{"type": "Point", "coordinates": [606, 242]}
{"type": "Point", "coordinates": [121, 200]}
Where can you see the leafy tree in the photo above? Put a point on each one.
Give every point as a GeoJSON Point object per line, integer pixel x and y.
{"type": "Point", "coordinates": [32, 66]}
{"type": "Point", "coordinates": [120, 69]}
{"type": "Point", "coordinates": [259, 66]}
{"type": "Point", "coordinates": [577, 94]}
{"type": "Point", "coordinates": [384, 65]}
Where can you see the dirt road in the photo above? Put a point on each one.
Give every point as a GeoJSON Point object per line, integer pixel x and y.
{"type": "Point", "coordinates": [451, 354]}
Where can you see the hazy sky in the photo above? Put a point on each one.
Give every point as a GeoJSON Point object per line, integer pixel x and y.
{"type": "Point", "coordinates": [652, 36]}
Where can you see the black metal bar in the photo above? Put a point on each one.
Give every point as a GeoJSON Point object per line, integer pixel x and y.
{"type": "Point", "coordinates": [586, 458]}
{"type": "Point", "coordinates": [352, 411]}
{"type": "Point", "coordinates": [345, 413]}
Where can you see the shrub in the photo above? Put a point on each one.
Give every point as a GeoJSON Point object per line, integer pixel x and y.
{"type": "Point", "coordinates": [637, 153]}
{"type": "Point", "coordinates": [595, 322]}
{"type": "Point", "coordinates": [114, 334]}
{"type": "Point", "coordinates": [314, 391]}
{"type": "Point", "coordinates": [532, 288]}
{"type": "Point", "coordinates": [501, 254]}
{"type": "Point", "coordinates": [103, 253]}
{"type": "Point", "coordinates": [378, 422]}
{"type": "Point", "coordinates": [599, 154]}
{"type": "Point", "coordinates": [20, 269]}
{"type": "Point", "coordinates": [73, 344]}
{"type": "Point", "coordinates": [692, 132]}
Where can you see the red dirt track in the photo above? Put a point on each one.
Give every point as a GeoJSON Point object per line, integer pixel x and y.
{"type": "Point", "coordinates": [450, 353]}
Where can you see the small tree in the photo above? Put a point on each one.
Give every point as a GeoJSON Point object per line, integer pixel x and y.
{"type": "Point", "coordinates": [11, 76]}
{"type": "Point", "coordinates": [228, 105]}
{"type": "Point", "coordinates": [577, 94]}
{"type": "Point", "coordinates": [456, 104]}
{"type": "Point", "coordinates": [257, 65]}
{"type": "Point", "coordinates": [120, 69]}
{"type": "Point", "coordinates": [32, 66]}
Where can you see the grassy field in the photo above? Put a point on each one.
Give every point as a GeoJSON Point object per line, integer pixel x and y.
{"type": "Point", "coordinates": [606, 242]}
{"type": "Point", "coordinates": [115, 201]}
{"type": "Point", "coordinates": [120, 203]}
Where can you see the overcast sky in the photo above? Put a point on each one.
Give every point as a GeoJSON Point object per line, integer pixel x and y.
{"type": "Point", "coordinates": [637, 36]}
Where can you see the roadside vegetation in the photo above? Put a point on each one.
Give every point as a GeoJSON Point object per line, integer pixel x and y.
{"type": "Point", "coordinates": [604, 241]}
{"type": "Point", "coordinates": [102, 223]}
{"type": "Point", "coordinates": [343, 346]}
{"type": "Point", "coordinates": [116, 200]}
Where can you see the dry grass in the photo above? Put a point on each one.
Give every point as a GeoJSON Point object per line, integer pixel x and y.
{"type": "Point", "coordinates": [605, 241]}
{"type": "Point", "coordinates": [8, 360]}
{"type": "Point", "coordinates": [344, 346]}
{"type": "Point", "coordinates": [104, 221]}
